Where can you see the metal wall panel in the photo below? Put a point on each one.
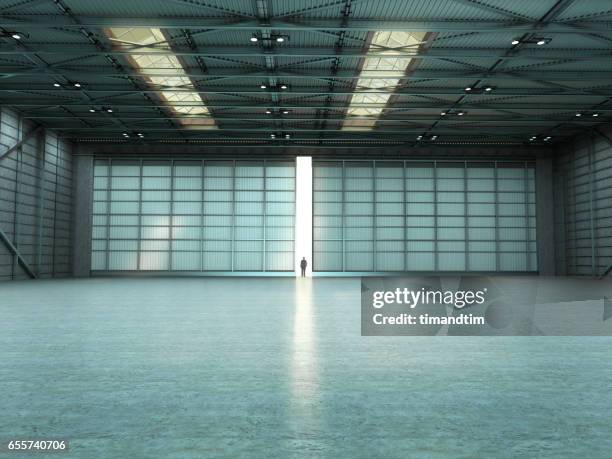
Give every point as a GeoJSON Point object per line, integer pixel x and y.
{"type": "Point", "coordinates": [193, 215]}
{"type": "Point", "coordinates": [584, 207]}
{"type": "Point", "coordinates": [389, 216]}
{"type": "Point", "coordinates": [36, 199]}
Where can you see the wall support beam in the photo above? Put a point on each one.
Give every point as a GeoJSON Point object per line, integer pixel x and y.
{"type": "Point", "coordinates": [9, 245]}
{"type": "Point", "coordinates": [82, 215]}
{"type": "Point", "coordinates": [19, 144]}
{"type": "Point", "coordinates": [545, 216]}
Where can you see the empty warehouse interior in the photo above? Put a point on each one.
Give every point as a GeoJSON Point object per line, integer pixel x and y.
{"type": "Point", "coordinates": [209, 208]}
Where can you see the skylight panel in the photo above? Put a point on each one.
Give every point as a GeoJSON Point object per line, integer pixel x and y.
{"type": "Point", "coordinates": [155, 67]}
{"type": "Point", "coordinates": [384, 46]}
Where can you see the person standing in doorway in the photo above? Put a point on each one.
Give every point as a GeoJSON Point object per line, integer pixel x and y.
{"type": "Point", "coordinates": [303, 265]}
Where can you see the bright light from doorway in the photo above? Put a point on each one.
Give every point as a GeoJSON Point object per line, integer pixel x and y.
{"type": "Point", "coordinates": [303, 213]}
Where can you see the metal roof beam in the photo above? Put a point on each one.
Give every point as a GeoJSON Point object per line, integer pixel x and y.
{"type": "Point", "coordinates": [403, 131]}
{"type": "Point", "coordinates": [520, 120]}
{"type": "Point", "coordinates": [15, 21]}
{"type": "Point", "coordinates": [407, 91]}
{"type": "Point", "coordinates": [322, 52]}
{"type": "Point", "coordinates": [318, 8]}
{"type": "Point", "coordinates": [217, 8]}
{"type": "Point", "coordinates": [215, 75]}
{"type": "Point", "coordinates": [495, 9]}
{"type": "Point", "coordinates": [485, 106]}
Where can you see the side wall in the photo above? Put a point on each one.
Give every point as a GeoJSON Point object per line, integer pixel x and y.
{"type": "Point", "coordinates": [583, 206]}
{"type": "Point", "coordinates": [35, 199]}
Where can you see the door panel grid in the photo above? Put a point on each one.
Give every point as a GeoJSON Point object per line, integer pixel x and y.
{"type": "Point", "coordinates": [180, 215]}
{"type": "Point", "coordinates": [424, 216]}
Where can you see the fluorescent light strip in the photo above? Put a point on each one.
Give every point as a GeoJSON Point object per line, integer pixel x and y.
{"type": "Point", "coordinates": [393, 43]}
{"type": "Point", "coordinates": [198, 115]}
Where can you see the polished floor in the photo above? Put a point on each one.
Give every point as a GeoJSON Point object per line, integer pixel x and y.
{"type": "Point", "coordinates": [276, 368]}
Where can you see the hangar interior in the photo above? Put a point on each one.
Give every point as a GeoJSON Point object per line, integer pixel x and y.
{"type": "Point", "coordinates": [473, 139]}
{"type": "Point", "coordinates": [149, 140]}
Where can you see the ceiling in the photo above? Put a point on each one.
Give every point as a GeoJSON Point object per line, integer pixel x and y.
{"type": "Point", "coordinates": [309, 72]}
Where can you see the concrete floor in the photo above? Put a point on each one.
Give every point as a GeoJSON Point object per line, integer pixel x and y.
{"type": "Point", "coordinates": [276, 368]}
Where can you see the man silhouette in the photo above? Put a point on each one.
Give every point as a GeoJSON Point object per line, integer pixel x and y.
{"type": "Point", "coordinates": [303, 265]}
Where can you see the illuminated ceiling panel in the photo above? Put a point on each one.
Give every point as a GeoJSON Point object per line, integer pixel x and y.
{"type": "Point", "coordinates": [197, 115]}
{"type": "Point", "coordinates": [388, 44]}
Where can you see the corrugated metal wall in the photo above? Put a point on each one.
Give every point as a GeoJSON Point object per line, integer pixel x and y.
{"type": "Point", "coordinates": [170, 215]}
{"type": "Point", "coordinates": [424, 216]}
{"type": "Point", "coordinates": [35, 203]}
{"type": "Point", "coordinates": [583, 213]}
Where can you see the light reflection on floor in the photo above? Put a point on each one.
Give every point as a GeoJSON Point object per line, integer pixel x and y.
{"type": "Point", "coordinates": [304, 371]}
{"type": "Point", "coordinates": [276, 368]}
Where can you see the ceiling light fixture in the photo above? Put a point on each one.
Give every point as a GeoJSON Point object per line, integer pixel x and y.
{"type": "Point", "coordinates": [277, 112]}
{"type": "Point", "coordinates": [278, 87]}
{"type": "Point", "coordinates": [484, 89]}
{"type": "Point", "coordinates": [12, 34]}
{"type": "Point", "coordinates": [274, 37]}
{"type": "Point", "coordinates": [540, 41]}
{"type": "Point", "coordinates": [76, 85]}
{"type": "Point", "coordinates": [593, 114]}
{"type": "Point", "coordinates": [453, 112]}
{"type": "Point", "coordinates": [57, 85]}
{"type": "Point", "coordinates": [92, 110]}
{"type": "Point", "coordinates": [109, 110]}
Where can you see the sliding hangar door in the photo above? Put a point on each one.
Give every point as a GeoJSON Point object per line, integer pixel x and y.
{"type": "Point", "coordinates": [386, 216]}
{"type": "Point", "coordinates": [203, 216]}
{"type": "Point", "coordinates": [226, 216]}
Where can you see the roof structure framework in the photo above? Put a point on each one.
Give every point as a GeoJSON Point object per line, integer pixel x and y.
{"type": "Point", "coordinates": [346, 71]}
